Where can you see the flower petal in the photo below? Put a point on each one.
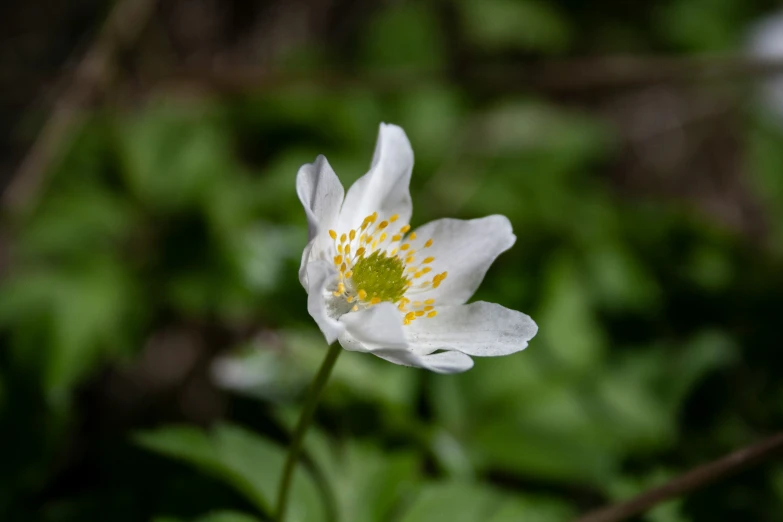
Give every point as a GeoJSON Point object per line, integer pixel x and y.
{"type": "Point", "coordinates": [480, 329]}
{"type": "Point", "coordinates": [466, 249]}
{"type": "Point", "coordinates": [385, 188]}
{"type": "Point", "coordinates": [375, 328]}
{"type": "Point", "coordinates": [320, 278]}
{"type": "Point", "coordinates": [321, 194]}
{"type": "Point", "coordinates": [444, 362]}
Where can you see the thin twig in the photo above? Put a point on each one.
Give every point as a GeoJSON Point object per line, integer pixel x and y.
{"type": "Point", "coordinates": [564, 76]}
{"type": "Point", "coordinates": [96, 70]}
{"type": "Point", "coordinates": [690, 481]}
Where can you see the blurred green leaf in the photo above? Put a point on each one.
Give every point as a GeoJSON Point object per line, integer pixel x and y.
{"type": "Point", "coordinates": [702, 25]}
{"type": "Point", "coordinates": [456, 502]}
{"type": "Point", "coordinates": [369, 483]}
{"type": "Point", "coordinates": [174, 156]}
{"type": "Point", "coordinates": [66, 320]}
{"type": "Point", "coordinates": [567, 322]}
{"type": "Point", "coordinates": [217, 516]}
{"type": "Point", "coordinates": [404, 34]}
{"type": "Point", "coordinates": [76, 222]}
{"type": "Point", "coordinates": [242, 459]}
{"type": "Point", "coordinates": [531, 25]}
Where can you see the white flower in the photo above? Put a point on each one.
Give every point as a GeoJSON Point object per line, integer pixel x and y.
{"type": "Point", "coordinates": [377, 287]}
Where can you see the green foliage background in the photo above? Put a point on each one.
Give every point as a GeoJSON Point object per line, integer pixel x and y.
{"type": "Point", "coordinates": [658, 346]}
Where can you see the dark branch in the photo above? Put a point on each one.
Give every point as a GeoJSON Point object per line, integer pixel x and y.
{"type": "Point", "coordinates": [565, 76]}
{"type": "Point", "coordinates": [690, 481]}
{"type": "Point", "coordinates": [92, 76]}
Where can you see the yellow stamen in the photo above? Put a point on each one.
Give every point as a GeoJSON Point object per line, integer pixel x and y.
{"type": "Point", "coordinates": [405, 246]}
{"type": "Point", "coordinates": [394, 218]}
{"type": "Point", "coordinates": [333, 234]}
{"type": "Point", "coordinates": [428, 260]}
{"type": "Point", "coordinates": [352, 235]}
{"type": "Point", "coordinates": [343, 238]}
{"type": "Point", "coordinates": [428, 243]}
{"type": "Point", "coordinates": [429, 301]}
{"type": "Point", "coordinates": [412, 236]}
{"type": "Point", "coordinates": [375, 300]}
{"type": "Point", "coordinates": [360, 251]}
{"type": "Point", "coordinates": [382, 225]}
{"type": "Point", "coordinates": [362, 295]}
{"type": "Point", "coordinates": [338, 260]}
{"type": "Point", "coordinates": [419, 313]}
{"type": "Point", "coordinates": [396, 237]}
{"type": "Point", "coordinates": [433, 313]}
{"type": "Point", "coordinates": [405, 229]}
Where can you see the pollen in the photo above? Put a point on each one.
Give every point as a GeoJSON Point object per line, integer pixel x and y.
{"type": "Point", "coordinates": [381, 275]}
{"type": "Point", "coordinates": [375, 266]}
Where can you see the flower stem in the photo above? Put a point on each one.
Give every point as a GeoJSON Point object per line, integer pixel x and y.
{"type": "Point", "coordinates": [311, 401]}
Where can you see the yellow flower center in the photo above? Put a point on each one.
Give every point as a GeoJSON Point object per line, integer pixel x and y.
{"type": "Point", "coordinates": [377, 265]}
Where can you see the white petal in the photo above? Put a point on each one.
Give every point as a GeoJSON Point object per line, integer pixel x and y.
{"type": "Point", "coordinates": [480, 329]}
{"type": "Point", "coordinates": [321, 194]}
{"type": "Point", "coordinates": [385, 188]}
{"type": "Point", "coordinates": [445, 362]}
{"type": "Point", "coordinates": [377, 327]}
{"type": "Point", "coordinates": [466, 249]}
{"type": "Point", "coordinates": [321, 276]}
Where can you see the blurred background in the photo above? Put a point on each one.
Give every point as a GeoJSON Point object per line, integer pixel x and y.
{"type": "Point", "coordinates": [154, 339]}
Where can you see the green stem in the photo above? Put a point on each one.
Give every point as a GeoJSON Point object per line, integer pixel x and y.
{"type": "Point", "coordinates": [311, 401]}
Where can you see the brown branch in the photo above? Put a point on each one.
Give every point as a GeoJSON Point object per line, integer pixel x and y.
{"type": "Point", "coordinates": [690, 481]}
{"type": "Point", "coordinates": [95, 72]}
{"type": "Point", "coordinates": [564, 76]}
